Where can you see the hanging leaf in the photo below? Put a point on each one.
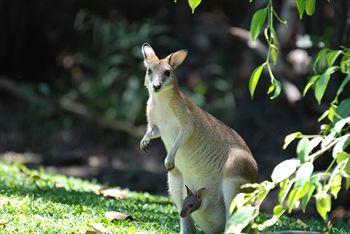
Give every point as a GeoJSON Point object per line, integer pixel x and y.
{"type": "Point", "coordinates": [343, 110]}
{"type": "Point", "coordinates": [321, 84]}
{"type": "Point", "coordinates": [257, 22]}
{"type": "Point", "coordinates": [254, 78]}
{"type": "Point", "coordinates": [303, 174]}
{"type": "Point", "coordinates": [285, 169]}
{"type": "Point", "coordinates": [291, 137]}
{"type": "Point", "coordinates": [340, 146]}
{"type": "Point", "coordinates": [310, 83]}
{"type": "Point", "coordinates": [320, 56]}
{"type": "Point", "coordinates": [301, 7]}
{"type": "Point", "coordinates": [332, 56]}
{"type": "Point", "coordinates": [285, 187]}
{"type": "Point", "coordinates": [303, 149]}
{"type": "Point", "coordinates": [278, 88]}
{"type": "Point", "coordinates": [241, 218]}
{"type": "Point", "coordinates": [345, 64]}
{"type": "Point", "coordinates": [193, 4]}
{"type": "Point", "coordinates": [342, 85]}
{"type": "Point", "coordinates": [323, 205]}
{"type": "Point", "coordinates": [310, 6]}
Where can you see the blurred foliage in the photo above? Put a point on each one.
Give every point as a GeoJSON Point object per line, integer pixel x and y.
{"type": "Point", "coordinates": [107, 75]}
{"type": "Point", "coordinates": [295, 179]}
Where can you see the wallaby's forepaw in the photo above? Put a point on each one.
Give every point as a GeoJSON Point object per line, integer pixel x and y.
{"type": "Point", "coordinates": [169, 164]}
{"type": "Point", "coordinates": [145, 145]}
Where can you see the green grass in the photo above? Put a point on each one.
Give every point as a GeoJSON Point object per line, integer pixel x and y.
{"type": "Point", "coordinates": [37, 202]}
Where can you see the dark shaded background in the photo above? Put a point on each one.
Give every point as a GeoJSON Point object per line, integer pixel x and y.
{"type": "Point", "coordinates": [71, 80]}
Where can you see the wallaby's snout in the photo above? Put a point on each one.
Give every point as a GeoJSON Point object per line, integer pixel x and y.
{"type": "Point", "coordinates": [160, 72]}
{"type": "Point", "coordinates": [156, 87]}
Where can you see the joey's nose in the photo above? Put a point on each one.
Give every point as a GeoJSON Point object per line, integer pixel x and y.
{"type": "Point", "coordinates": [156, 88]}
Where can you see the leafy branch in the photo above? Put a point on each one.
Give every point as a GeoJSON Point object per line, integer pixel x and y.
{"type": "Point", "coordinates": [295, 179]}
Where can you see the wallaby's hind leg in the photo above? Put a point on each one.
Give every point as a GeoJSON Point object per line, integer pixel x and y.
{"type": "Point", "coordinates": [176, 188]}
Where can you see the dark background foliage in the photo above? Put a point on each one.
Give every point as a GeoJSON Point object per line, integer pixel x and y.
{"type": "Point", "coordinates": [71, 80]}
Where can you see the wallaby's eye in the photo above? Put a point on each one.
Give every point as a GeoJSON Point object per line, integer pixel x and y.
{"type": "Point", "coordinates": [166, 73]}
{"type": "Point", "coordinates": [149, 72]}
{"type": "Point", "coordinates": [190, 205]}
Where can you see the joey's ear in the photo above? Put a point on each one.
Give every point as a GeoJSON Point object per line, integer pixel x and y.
{"type": "Point", "coordinates": [149, 55]}
{"type": "Point", "coordinates": [200, 193]}
{"type": "Point", "coordinates": [175, 59]}
{"type": "Point", "coordinates": [189, 192]}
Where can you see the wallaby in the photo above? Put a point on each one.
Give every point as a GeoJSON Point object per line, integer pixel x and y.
{"type": "Point", "coordinates": [201, 150]}
{"type": "Point", "coordinates": [192, 202]}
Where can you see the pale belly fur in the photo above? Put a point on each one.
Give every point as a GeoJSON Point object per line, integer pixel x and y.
{"type": "Point", "coordinates": [195, 173]}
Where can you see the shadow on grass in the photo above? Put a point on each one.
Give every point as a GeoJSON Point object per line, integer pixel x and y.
{"type": "Point", "coordinates": [147, 210]}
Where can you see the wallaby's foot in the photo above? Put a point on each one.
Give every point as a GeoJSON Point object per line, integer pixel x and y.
{"type": "Point", "coordinates": [169, 164]}
{"type": "Point", "coordinates": [145, 145]}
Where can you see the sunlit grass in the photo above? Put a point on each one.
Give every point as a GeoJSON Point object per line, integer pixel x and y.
{"type": "Point", "coordinates": [37, 202]}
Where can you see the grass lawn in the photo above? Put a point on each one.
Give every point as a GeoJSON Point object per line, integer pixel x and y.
{"type": "Point", "coordinates": [37, 202]}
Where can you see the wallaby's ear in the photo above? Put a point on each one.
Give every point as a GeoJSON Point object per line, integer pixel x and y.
{"type": "Point", "coordinates": [175, 59]}
{"type": "Point", "coordinates": [200, 193]}
{"type": "Point", "coordinates": [149, 55]}
{"type": "Point", "coordinates": [189, 192]}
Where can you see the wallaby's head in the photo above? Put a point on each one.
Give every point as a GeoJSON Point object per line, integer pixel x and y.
{"type": "Point", "coordinates": [192, 202]}
{"type": "Point", "coordinates": [160, 74]}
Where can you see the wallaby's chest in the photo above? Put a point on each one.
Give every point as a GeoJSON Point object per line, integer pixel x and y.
{"type": "Point", "coordinates": [164, 117]}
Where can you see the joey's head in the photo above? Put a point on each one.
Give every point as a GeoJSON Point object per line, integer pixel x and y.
{"type": "Point", "coordinates": [160, 74]}
{"type": "Point", "coordinates": [192, 202]}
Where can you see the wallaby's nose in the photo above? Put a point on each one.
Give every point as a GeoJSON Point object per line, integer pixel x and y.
{"type": "Point", "coordinates": [156, 88]}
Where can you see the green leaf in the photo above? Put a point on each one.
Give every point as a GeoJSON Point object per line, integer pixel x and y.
{"type": "Point", "coordinates": [332, 56]}
{"type": "Point", "coordinates": [323, 205]}
{"type": "Point", "coordinates": [241, 218]}
{"type": "Point", "coordinates": [278, 88]}
{"type": "Point", "coordinates": [291, 137]}
{"type": "Point", "coordinates": [193, 4]}
{"type": "Point", "coordinates": [320, 56]}
{"type": "Point", "coordinates": [345, 64]}
{"type": "Point", "coordinates": [303, 174]}
{"type": "Point", "coordinates": [278, 211]}
{"type": "Point", "coordinates": [292, 201]}
{"type": "Point", "coordinates": [324, 115]}
{"type": "Point", "coordinates": [340, 146]}
{"type": "Point", "coordinates": [285, 187]}
{"type": "Point", "coordinates": [271, 88]}
{"type": "Point", "coordinates": [331, 112]}
{"type": "Point", "coordinates": [336, 185]}
{"type": "Point", "coordinates": [310, 6]}
{"type": "Point", "coordinates": [274, 55]}
{"type": "Point", "coordinates": [310, 83]}
{"type": "Point", "coordinates": [238, 201]}
{"type": "Point", "coordinates": [303, 149]}
{"type": "Point", "coordinates": [321, 84]}
{"type": "Point", "coordinates": [338, 127]}
{"type": "Point", "coordinates": [342, 85]}
{"type": "Point", "coordinates": [254, 78]}
{"type": "Point", "coordinates": [301, 7]}
{"type": "Point", "coordinates": [284, 170]}
{"type": "Point", "coordinates": [257, 22]}
{"type": "Point", "coordinates": [343, 110]}
{"type": "Point", "coordinates": [305, 200]}
{"type": "Point", "coordinates": [315, 142]}
{"type": "Point", "coordinates": [302, 191]}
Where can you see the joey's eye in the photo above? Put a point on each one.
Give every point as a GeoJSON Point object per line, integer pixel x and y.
{"type": "Point", "coordinates": [166, 73]}
{"type": "Point", "coordinates": [149, 72]}
{"type": "Point", "coordinates": [190, 205]}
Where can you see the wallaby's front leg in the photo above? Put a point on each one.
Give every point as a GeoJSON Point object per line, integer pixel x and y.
{"type": "Point", "coordinates": [182, 136]}
{"type": "Point", "coordinates": [151, 133]}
